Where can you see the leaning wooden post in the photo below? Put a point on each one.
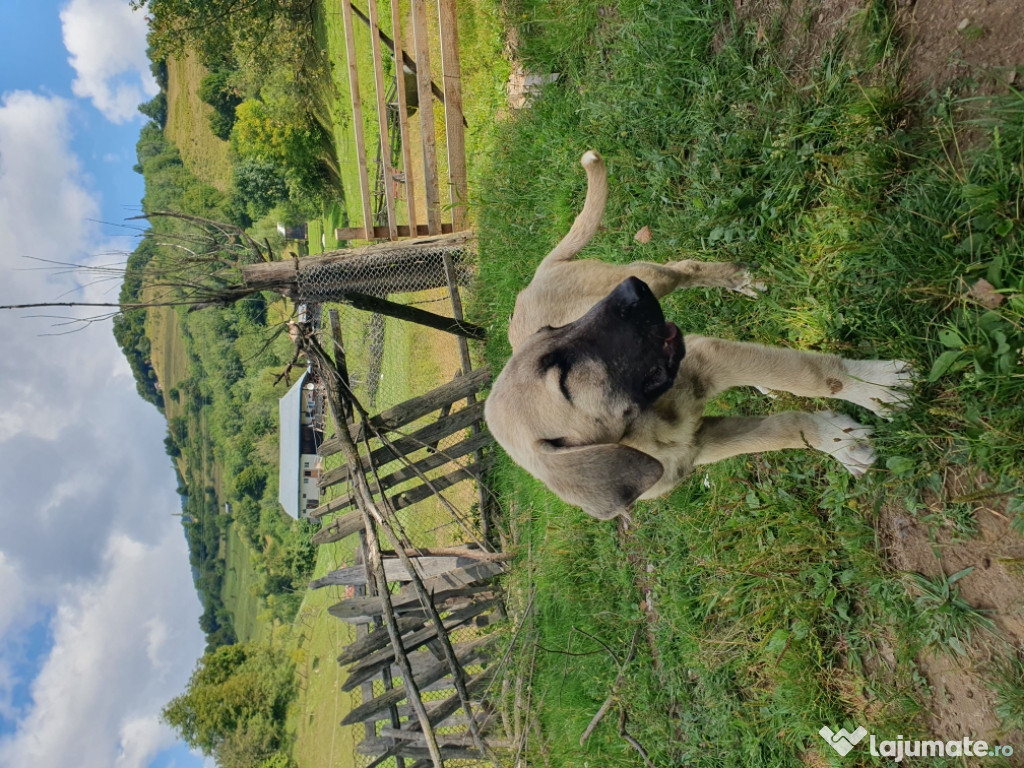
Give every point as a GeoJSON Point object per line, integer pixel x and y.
{"type": "Point", "coordinates": [372, 513]}
{"type": "Point", "coordinates": [366, 505]}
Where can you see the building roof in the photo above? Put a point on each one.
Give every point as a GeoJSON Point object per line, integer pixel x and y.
{"type": "Point", "coordinates": [290, 412]}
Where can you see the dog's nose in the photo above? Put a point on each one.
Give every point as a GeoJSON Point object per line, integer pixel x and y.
{"type": "Point", "coordinates": [631, 292]}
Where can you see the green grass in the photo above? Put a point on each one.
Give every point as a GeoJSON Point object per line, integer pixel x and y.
{"type": "Point", "coordinates": [773, 612]}
{"type": "Point", "coordinates": [239, 580]}
{"type": "Point", "coordinates": [204, 154]}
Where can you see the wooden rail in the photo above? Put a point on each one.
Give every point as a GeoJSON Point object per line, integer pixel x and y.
{"type": "Point", "coordinates": [393, 122]}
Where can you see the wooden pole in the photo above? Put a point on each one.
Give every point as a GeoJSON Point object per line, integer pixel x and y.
{"type": "Point", "coordinates": [282, 276]}
{"type": "Point", "coordinates": [413, 315]}
{"type": "Point", "coordinates": [451, 75]}
{"type": "Point", "coordinates": [403, 117]}
{"type": "Point", "coordinates": [426, 110]}
{"type": "Point", "coordinates": [382, 121]}
{"type": "Point", "coordinates": [357, 118]}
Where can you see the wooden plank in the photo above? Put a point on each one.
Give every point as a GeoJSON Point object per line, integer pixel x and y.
{"type": "Point", "coordinates": [339, 529]}
{"type": "Point", "coordinates": [445, 740]}
{"type": "Point", "coordinates": [421, 230]}
{"type": "Point", "coordinates": [403, 119]}
{"type": "Point", "coordinates": [374, 641]}
{"type": "Point", "coordinates": [407, 60]}
{"type": "Point", "coordinates": [357, 120]}
{"type": "Point", "coordinates": [422, 437]}
{"type": "Point", "coordinates": [482, 493]}
{"type": "Point", "coordinates": [421, 43]}
{"type": "Point", "coordinates": [382, 121]}
{"type": "Point", "coordinates": [410, 642]}
{"type": "Point", "coordinates": [412, 314]}
{"type": "Point", "coordinates": [440, 712]}
{"type": "Point", "coordinates": [434, 671]}
{"type": "Point", "coordinates": [353, 609]}
{"type": "Point", "coordinates": [395, 570]}
{"type": "Point", "coordinates": [340, 363]}
{"type": "Point", "coordinates": [424, 658]}
{"type": "Point", "coordinates": [379, 746]}
{"type": "Point", "coordinates": [451, 74]}
{"type": "Point", "coordinates": [417, 407]}
{"type": "Point", "coordinates": [426, 490]}
{"type": "Point", "coordinates": [421, 467]}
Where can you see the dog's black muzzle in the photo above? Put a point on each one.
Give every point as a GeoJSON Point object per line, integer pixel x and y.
{"type": "Point", "coordinates": [627, 331]}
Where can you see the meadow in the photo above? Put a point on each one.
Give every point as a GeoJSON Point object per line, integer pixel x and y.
{"type": "Point", "coordinates": [774, 594]}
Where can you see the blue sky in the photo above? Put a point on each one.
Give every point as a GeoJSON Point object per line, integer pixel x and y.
{"type": "Point", "coordinates": [98, 615]}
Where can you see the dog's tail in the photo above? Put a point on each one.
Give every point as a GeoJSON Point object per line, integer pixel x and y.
{"type": "Point", "coordinates": [588, 220]}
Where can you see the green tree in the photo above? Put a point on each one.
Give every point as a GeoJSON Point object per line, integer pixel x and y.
{"type": "Point", "coordinates": [260, 184]}
{"type": "Point", "coordinates": [216, 90]}
{"type": "Point", "coordinates": [156, 109]}
{"type": "Point", "coordinates": [275, 137]}
{"type": "Point", "coordinates": [216, 28]}
{"type": "Point", "coordinates": [235, 690]}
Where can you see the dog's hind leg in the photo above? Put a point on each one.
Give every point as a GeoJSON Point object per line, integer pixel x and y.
{"type": "Point", "coordinates": [676, 275]}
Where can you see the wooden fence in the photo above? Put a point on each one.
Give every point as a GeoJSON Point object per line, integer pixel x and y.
{"type": "Point", "coordinates": [393, 136]}
{"type": "Point", "coordinates": [419, 612]}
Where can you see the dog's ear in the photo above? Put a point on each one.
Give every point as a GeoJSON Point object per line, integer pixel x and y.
{"type": "Point", "coordinates": [603, 479]}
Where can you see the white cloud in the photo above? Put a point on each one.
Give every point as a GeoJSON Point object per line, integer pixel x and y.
{"type": "Point", "coordinates": [122, 649]}
{"type": "Point", "coordinates": [88, 493]}
{"type": "Point", "coordinates": [107, 43]}
{"type": "Point", "coordinates": [45, 209]}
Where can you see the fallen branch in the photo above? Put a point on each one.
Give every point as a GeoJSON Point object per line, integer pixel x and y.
{"type": "Point", "coordinates": [630, 740]}
{"type": "Point", "coordinates": [615, 686]}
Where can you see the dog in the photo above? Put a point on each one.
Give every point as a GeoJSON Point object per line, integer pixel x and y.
{"type": "Point", "coordinates": [603, 400]}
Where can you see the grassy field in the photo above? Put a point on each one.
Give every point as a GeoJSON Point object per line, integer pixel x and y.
{"type": "Point", "coordinates": [239, 578]}
{"type": "Point", "coordinates": [774, 594]}
{"type": "Point", "coordinates": [187, 125]}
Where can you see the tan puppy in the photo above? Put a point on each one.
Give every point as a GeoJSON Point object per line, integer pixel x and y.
{"type": "Point", "coordinates": [603, 400]}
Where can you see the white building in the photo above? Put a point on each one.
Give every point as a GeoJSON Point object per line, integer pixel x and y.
{"type": "Point", "coordinates": [301, 430]}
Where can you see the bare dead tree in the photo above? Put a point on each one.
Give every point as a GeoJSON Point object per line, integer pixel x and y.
{"type": "Point", "coordinates": [213, 264]}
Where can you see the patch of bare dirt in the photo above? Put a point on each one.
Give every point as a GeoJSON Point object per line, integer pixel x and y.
{"type": "Point", "coordinates": [948, 40]}
{"type": "Point", "coordinates": [962, 703]}
{"type": "Point", "coordinates": [804, 28]}
{"type": "Point", "coordinates": [944, 41]}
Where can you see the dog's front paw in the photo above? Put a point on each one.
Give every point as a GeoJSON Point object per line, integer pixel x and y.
{"type": "Point", "coordinates": [881, 386]}
{"type": "Point", "coordinates": [845, 440]}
